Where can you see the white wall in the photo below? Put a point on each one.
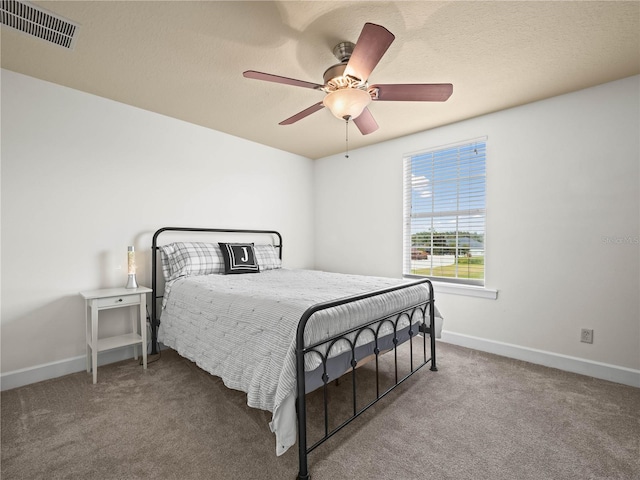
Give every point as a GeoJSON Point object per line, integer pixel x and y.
{"type": "Point", "coordinates": [563, 198]}
{"type": "Point", "coordinates": [83, 177]}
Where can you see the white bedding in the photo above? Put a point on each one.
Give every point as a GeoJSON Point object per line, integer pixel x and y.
{"type": "Point", "coordinates": [246, 332]}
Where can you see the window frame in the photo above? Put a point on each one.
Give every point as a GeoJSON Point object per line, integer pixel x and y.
{"type": "Point", "coordinates": [409, 188]}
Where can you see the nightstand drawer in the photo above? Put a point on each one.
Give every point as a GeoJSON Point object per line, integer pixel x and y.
{"type": "Point", "coordinates": [118, 301]}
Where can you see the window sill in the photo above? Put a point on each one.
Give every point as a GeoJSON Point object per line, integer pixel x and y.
{"type": "Point", "coordinates": [459, 288]}
{"type": "Point", "coordinates": [467, 290]}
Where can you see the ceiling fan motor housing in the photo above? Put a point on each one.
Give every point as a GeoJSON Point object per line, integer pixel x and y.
{"type": "Point", "coordinates": [335, 79]}
{"type": "Point", "coordinates": [343, 51]}
{"type": "Point", "coordinates": [334, 72]}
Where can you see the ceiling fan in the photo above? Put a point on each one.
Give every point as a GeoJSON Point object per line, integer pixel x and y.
{"type": "Point", "coordinates": [348, 92]}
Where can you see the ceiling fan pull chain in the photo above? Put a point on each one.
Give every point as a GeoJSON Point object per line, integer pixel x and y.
{"type": "Point", "coordinates": [346, 128]}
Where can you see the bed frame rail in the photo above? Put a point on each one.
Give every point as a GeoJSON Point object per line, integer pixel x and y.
{"type": "Point", "coordinates": [425, 308]}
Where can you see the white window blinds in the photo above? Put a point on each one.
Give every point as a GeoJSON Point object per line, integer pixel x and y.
{"type": "Point", "coordinates": [444, 213]}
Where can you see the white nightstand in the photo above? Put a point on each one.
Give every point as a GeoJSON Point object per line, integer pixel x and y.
{"type": "Point", "coordinates": [103, 299]}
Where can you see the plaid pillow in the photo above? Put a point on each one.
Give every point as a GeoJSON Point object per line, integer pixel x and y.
{"type": "Point", "coordinates": [182, 259]}
{"type": "Point", "coordinates": [267, 257]}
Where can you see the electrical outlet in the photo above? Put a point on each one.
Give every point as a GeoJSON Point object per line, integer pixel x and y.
{"type": "Point", "coordinates": [586, 335]}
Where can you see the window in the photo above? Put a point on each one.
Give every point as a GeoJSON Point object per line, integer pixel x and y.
{"type": "Point", "coordinates": [444, 213]}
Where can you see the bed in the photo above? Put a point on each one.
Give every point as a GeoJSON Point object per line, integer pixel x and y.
{"type": "Point", "coordinates": [278, 334]}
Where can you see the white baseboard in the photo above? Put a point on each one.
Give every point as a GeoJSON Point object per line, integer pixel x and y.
{"type": "Point", "coordinates": [47, 371]}
{"type": "Point", "coordinates": [604, 371]}
{"type": "Point", "coordinates": [612, 373]}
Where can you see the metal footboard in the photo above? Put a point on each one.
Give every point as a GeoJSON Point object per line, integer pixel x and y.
{"type": "Point", "coordinates": [425, 309]}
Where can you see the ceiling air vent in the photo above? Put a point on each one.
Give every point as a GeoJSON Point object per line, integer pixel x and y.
{"type": "Point", "coordinates": [37, 22]}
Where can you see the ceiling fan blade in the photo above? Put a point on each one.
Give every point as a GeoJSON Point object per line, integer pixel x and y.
{"type": "Point", "coordinates": [278, 79]}
{"type": "Point", "coordinates": [365, 122]}
{"type": "Point", "coordinates": [372, 44]}
{"type": "Point", "coordinates": [413, 92]}
{"type": "Point", "coordinates": [304, 113]}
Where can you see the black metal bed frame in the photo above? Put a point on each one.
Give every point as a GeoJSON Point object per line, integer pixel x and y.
{"type": "Point", "coordinates": [424, 308]}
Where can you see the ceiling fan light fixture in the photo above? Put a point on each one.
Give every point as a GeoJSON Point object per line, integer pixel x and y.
{"type": "Point", "coordinates": [347, 102]}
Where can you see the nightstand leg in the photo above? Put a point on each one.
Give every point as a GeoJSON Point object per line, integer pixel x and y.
{"type": "Point", "coordinates": [86, 337]}
{"type": "Point", "coordinates": [94, 339]}
{"type": "Point", "coordinates": [133, 316]}
{"type": "Point", "coordinates": [143, 328]}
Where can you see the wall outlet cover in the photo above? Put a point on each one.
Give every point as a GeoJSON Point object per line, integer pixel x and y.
{"type": "Point", "coordinates": [586, 335]}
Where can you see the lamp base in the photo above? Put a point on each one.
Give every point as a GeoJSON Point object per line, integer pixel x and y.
{"type": "Point", "coordinates": [132, 283]}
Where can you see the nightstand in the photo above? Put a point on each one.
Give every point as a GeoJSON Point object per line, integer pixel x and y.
{"type": "Point", "coordinates": [135, 299]}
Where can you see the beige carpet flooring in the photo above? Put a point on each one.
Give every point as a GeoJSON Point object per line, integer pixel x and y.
{"type": "Point", "coordinates": [479, 417]}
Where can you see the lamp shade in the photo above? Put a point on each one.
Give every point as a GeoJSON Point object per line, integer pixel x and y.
{"type": "Point", "coordinates": [347, 102]}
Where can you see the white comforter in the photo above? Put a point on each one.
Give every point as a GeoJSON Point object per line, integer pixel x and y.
{"type": "Point", "coordinates": [242, 328]}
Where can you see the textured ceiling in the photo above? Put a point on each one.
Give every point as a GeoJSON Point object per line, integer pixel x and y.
{"type": "Point", "coordinates": [185, 59]}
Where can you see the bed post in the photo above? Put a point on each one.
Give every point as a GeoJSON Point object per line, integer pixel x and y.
{"type": "Point", "coordinates": [154, 291]}
{"type": "Point", "coordinates": [154, 329]}
{"type": "Point", "coordinates": [301, 403]}
{"type": "Point", "coordinates": [432, 327]}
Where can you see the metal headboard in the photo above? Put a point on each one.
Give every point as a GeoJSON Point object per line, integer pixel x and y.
{"type": "Point", "coordinates": [155, 321]}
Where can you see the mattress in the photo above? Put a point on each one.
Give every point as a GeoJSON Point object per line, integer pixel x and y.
{"type": "Point", "coordinates": [242, 328]}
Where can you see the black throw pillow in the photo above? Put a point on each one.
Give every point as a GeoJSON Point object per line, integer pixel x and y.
{"type": "Point", "coordinates": [239, 258]}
